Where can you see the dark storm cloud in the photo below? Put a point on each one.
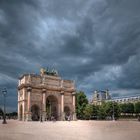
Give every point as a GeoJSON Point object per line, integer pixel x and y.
{"type": "Point", "coordinates": [95, 42]}
{"type": "Point", "coordinates": [130, 74]}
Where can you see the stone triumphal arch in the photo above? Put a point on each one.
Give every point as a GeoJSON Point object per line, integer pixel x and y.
{"type": "Point", "coordinates": [41, 97]}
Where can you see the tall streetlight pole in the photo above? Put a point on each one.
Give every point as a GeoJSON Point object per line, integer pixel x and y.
{"type": "Point", "coordinates": [113, 116]}
{"type": "Point", "coordinates": [4, 92]}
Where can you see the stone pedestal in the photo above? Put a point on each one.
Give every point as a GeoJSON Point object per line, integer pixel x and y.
{"type": "Point", "coordinates": [20, 119]}
{"type": "Point", "coordinates": [63, 116]}
{"type": "Point", "coordinates": [44, 116]}
{"type": "Point", "coordinates": [74, 118]}
{"type": "Point", "coordinates": [28, 117]}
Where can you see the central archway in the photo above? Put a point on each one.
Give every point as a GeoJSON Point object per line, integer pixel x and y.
{"type": "Point", "coordinates": [52, 107]}
{"type": "Point", "coordinates": [35, 113]}
{"type": "Point", "coordinates": [67, 110]}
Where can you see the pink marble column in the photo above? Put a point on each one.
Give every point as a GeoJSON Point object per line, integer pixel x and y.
{"type": "Point", "coordinates": [44, 104]}
{"type": "Point", "coordinates": [73, 101]}
{"type": "Point", "coordinates": [29, 89]}
{"type": "Point", "coordinates": [73, 104]}
{"type": "Point", "coordinates": [62, 106]}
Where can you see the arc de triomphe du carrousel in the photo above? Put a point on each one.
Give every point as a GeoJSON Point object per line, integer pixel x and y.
{"type": "Point", "coordinates": [45, 96]}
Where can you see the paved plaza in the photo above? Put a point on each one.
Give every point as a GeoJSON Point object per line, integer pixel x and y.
{"type": "Point", "coordinates": [74, 130]}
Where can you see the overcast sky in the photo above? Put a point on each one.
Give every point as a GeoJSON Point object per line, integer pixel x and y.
{"type": "Point", "coordinates": [94, 42]}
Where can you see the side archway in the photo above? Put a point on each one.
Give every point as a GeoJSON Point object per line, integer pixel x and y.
{"type": "Point", "coordinates": [67, 110]}
{"type": "Point", "coordinates": [35, 113]}
{"type": "Point", "coordinates": [21, 113]}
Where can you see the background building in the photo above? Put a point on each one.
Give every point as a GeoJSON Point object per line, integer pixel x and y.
{"type": "Point", "coordinates": [130, 99]}
{"type": "Point", "coordinates": [104, 96]}
{"type": "Point", "coordinates": [44, 96]}
{"type": "Point", "coordinates": [100, 96]}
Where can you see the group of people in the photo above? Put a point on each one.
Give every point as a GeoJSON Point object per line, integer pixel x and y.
{"type": "Point", "coordinates": [53, 118]}
{"type": "Point", "coordinates": [50, 118]}
{"type": "Point", "coordinates": [68, 117]}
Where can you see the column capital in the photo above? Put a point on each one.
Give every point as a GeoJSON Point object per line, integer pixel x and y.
{"type": "Point", "coordinates": [29, 89]}
{"type": "Point", "coordinates": [73, 93]}
{"type": "Point", "coordinates": [62, 93]}
{"type": "Point", "coordinates": [44, 90]}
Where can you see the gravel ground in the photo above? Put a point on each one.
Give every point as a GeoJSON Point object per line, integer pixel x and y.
{"type": "Point", "coordinates": [74, 130]}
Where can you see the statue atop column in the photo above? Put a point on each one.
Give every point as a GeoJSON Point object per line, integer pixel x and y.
{"type": "Point", "coordinates": [42, 71]}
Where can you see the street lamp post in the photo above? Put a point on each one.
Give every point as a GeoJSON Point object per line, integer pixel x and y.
{"type": "Point", "coordinates": [4, 92]}
{"type": "Point", "coordinates": [113, 116]}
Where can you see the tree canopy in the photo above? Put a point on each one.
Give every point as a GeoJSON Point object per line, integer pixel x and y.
{"type": "Point", "coordinates": [127, 108]}
{"type": "Point", "coordinates": [137, 107]}
{"type": "Point", "coordinates": [107, 110]}
{"type": "Point", "coordinates": [81, 102]}
{"type": "Point", "coordinates": [88, 111]}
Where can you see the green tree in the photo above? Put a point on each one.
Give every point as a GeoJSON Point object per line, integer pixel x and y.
{"type": "Point", "coordinates": [95, 110]}
{"type": "Point", "coordinates": [101, 112]}
{"type": "Point", "coordinates": [81, 102]}
{"type": "Point", "coordinates": [137, 107]}
{"type": "Point", "coordinates": [112, 108]}
{"type": "Point", "coordinates": [88, 111]}
{"type": "Point", "coordinates": [130, 108]}
{"type": "Point", "coordinates": [123, 108]}
{"type": "Point", "coordinates": [108, 109]}
{"type": "Point", "coordinates": [127, 108]}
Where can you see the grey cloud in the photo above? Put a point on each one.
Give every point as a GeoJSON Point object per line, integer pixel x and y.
{"type": "Point", "coordinates": [84, 40]}
{"type": "Point", "coordinates": [130, 78]}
